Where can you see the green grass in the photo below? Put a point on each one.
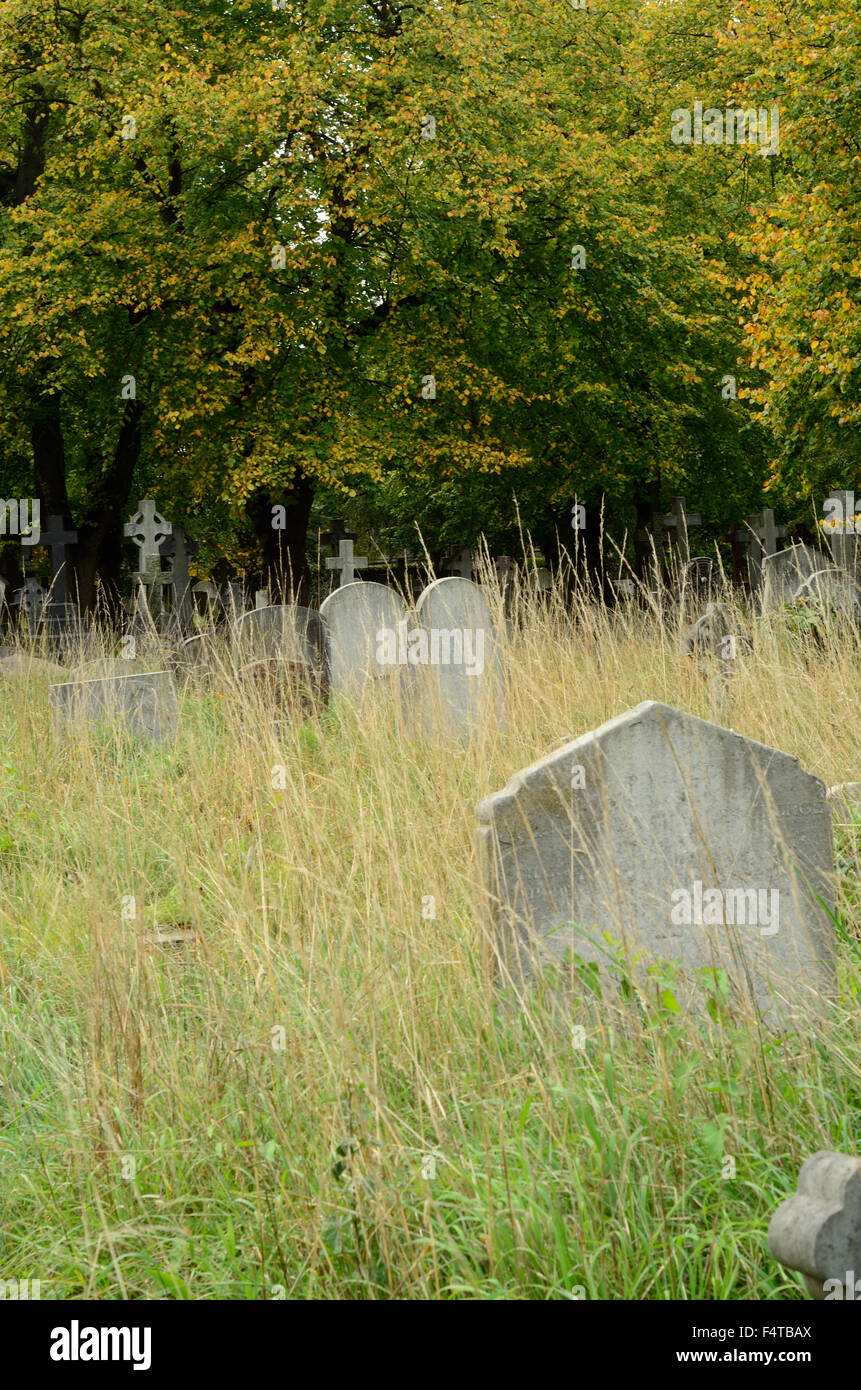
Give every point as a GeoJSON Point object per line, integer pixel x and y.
{"type": "Point", "coordinates": [264, 1171]}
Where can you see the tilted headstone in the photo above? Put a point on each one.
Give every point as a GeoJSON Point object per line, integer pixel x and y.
{"type": "Point", "coordinates": [784, 571]}
{"type": "Point", "coordinates": [283, 632]}
{"type": "Point", "coordinates": [818, 1230]}
{"type": "Point", "coordinates": [681, 839]}
{"type": "Point", "coordinates": [357, 619]}
{"type": "Point", "coordinates": [453, 679]}
{"type": "Point", "coordinates": [208, 601]}
{"type": "Point", "coordinates": [144, 705]}
{"type": "Point", "coordinates": [832, 594]}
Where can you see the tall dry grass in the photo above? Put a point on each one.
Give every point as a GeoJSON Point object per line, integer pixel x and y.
{"type": "Point", "coordinates": [288, 1074]}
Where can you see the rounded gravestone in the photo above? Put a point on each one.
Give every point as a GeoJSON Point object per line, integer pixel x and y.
{"type": "Point", "coordinates": [362, 622]}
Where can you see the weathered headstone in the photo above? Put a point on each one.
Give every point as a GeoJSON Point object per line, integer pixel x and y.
{"type": "Point", "coordinates": [818, 1230]}
{"type": "Point", "coordinates": [784, 571]}
{"type": "Point", "coordinates": [357, 618]}
{"type": "Point", "coordinates": [681, 839]}
{"type": "Point", "coordinates": [145, 705]}
{"type": "Point", "coordinates": [31, 598]}
{"type": "Point", "coordinates": [833, 595]}
{"type": "Point", "coordinates": [453, 673]}
{"type": "Point", "coordinates": [207, 599]}
{"type": "Point", "coordinates": [283, 632]}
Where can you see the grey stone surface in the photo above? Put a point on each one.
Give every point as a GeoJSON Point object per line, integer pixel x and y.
{"type": "Point", "coordinates": [846, 791]}
{"type": "Point", "coordinates": [353, 617]}
{"type": "Point", "coordinates": [145, 705]}
{"type": "Point", "coordinates": [285, 632]}
{"type": "Point", "coordinates": [832, 593]}
{"type": "Point", "coordinates": [818, 1230]}
{"type": "Point", "coordinates": [784, 571]}
{"type": "Point", "coordinates": [614, 832]}
{"type": "Point", "coordinates": [453, 680]}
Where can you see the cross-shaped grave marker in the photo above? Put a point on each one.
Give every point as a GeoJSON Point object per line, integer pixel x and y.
{"type": "Point", "coordinates": [681, 520]}
{"type": "Point", "coordinates": [57, 539]}
{"type": "Point", "coordinates": [179, 550]}
{"type": "Point", "coordinates": [762, 542]}
{"type": "Point", "coordinates": [346, 562]}
{"type": "Point", "coordinates": [148, 529]}
{"type": "Point", "coordinates": [460, 562]}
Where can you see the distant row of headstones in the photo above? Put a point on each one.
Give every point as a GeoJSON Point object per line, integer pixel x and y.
{"type": "Point", "coordinates": [168, 597]}
{"type": "Point", "coordinates": [440, 661]}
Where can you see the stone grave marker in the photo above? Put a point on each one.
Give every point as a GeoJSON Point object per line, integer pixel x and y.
{"type": "Point", "coordinates": [678, 521]}
{"type": "Point", "coordinates": [209, 605]}
{"type": "Point", "coordinates": [144, 704]}
{"type": "Point", "coordinates": [843, 537]}
{"type": "Point", "coordinates": [178, 549]}
{"type": "Point", "coordinates": [31, 599]}
{"type": "Point", "coordinates": [761, 539]}
{"type": "Point", "coordinates": [148, 529]}
{"type": "Point", "coordinates": [453, 680]}
{"type": "Point", "coordinates": [282, 632]}
{"type": "Point", "coordinates": [357, 619]}
{"type": "Point", "coordinates": [346, 562]}
{"type": "Point", "coordinates": [459, 562]}
{"type": "Point", "coordinates": [784, 571]}
{"type": "Point", "coordinates": [832, 593]}
{"type": "Point", "coordinates": [818, 1230]}
{"type": "Point", "coordinates": [681, 839]}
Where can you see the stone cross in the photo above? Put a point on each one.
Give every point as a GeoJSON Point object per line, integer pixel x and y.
{"type": "Point", "coordinates": [31, 598]}
{"type": "Point", "coordinates": [147, 529]}
{"type": "Point", "coordinates": [762, 542]}
{"type": "Point", "coordinates": [151, 584]}
{"type": "Point", "coordinates": [681, 520]}
{"type": "Point", "coordinates": [179, 550]}
{"type": "Point", "coordinates": [57, 538]}
{"type": "Point", "coordinates": [460, 563]}
{"type": "Point", "coordinates": [347, 563]}
{"type": "Point", "coordinates": [818, 1230]}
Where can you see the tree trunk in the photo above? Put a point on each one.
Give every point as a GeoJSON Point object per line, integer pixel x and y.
{"type": "Point", "coordinates": [285, 559]}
